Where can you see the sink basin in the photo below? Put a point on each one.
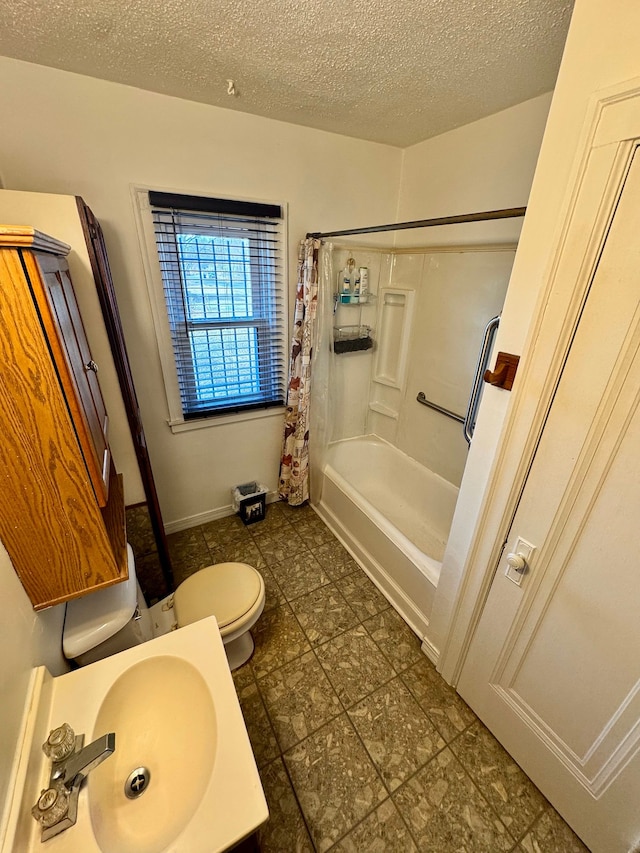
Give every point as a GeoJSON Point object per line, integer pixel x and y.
{"type": "Point", "coordinates": [173, 707]}
{"type": "Point", "coordinates": [164, 719]}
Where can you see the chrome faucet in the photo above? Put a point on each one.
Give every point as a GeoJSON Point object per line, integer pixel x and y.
{"type": "Point", "coordinates": [57, 806]}
{"type": "Point", "coordinates": [77, 767]}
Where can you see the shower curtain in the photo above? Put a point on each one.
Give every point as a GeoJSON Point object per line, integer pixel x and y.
{"type": "Point", "coordinates": [294, 465]}
{"type": "Point", "coordinates": [321, 422]}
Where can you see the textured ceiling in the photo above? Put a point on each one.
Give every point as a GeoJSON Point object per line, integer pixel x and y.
{"type": "Point", "coordinates": [390, 72]}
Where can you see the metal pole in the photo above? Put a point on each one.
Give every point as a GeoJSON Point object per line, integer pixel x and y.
{"type": "Point", "coordinates": [486, 216]}
{"type": "Point", "coordinates": [436, 408]}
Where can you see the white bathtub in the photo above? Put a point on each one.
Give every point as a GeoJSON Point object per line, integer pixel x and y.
{"type": "Point", "coordinates": [394, 515]}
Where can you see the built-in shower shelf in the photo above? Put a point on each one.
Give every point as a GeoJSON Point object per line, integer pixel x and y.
{"type": "Point", "coordinates": [394, 334]}
{"type": "Point", "coordinates": [381, 409]}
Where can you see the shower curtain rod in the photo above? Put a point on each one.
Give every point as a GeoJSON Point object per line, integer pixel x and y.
{"type": "Point", "coordinates": [507, 213]}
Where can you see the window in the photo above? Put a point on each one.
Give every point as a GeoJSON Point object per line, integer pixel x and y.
{"type": "Point", "coordinates": [222, 277]}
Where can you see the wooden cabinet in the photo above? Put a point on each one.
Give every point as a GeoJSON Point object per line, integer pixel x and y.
{"type": "Point", "coordinates": [61, 500]}
{"type": "Point", "coordinates": [52, 289]}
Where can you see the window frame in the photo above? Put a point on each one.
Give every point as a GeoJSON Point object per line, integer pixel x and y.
{"type": "Point", "coordinates": [176, 418]}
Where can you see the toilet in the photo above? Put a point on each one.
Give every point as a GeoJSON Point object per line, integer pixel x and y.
{"type": "Point", "coordinates": [113, 619]}
{"type": "Point", "coordinates": [234, 594]}
{"type": "Point", "coordinates": [107, 621]}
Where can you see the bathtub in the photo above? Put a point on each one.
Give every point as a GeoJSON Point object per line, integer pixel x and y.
{"type": "Point", "coordinates": [394, 516]}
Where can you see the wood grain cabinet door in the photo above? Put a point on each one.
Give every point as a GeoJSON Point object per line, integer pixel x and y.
{"type": "Point", "coordinates": [61, 543]}
{"type": "Point", "coordinates": [78, 373]}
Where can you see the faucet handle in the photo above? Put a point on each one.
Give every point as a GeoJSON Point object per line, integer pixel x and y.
{"type": "Point", "coordinates": [52, 805]}
{"type": "Point", "coordinates": [60, 744]}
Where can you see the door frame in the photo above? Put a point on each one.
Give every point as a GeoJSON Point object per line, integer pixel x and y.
{"type": "Point", "coordinates": [610, 135]}
{"type": "Point", "coordinates": [96, 248]}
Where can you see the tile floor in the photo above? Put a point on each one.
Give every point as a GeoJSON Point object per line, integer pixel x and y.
{"type": "Point", "coordinates": [360, 744]}
{"type": "Point", "coordinates": [148, 569]}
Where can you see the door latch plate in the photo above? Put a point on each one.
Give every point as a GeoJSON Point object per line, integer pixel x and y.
{"type": "Point", "coordinates": [523, 549]}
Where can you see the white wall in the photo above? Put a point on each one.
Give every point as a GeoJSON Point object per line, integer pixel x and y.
{"type": "Point", "coordinates": [601, 51]}
{"type": "Point", "coordinates": [27, 639]}
{"type": "Point", "coordinates": [76, 135]}
{"type": "Point", "coordinates": [486, 165]}
{"type": "Point", "coordinates": [458, 293]}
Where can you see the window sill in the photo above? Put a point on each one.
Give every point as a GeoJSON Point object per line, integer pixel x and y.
{"type": "Point", "coordinates": [180, 425]}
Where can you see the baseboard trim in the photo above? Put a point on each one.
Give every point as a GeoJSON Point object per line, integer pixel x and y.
{"type": "Point", "coordinates": [211, 515]}
{"type": "Point", "coordinates": [431, 651]}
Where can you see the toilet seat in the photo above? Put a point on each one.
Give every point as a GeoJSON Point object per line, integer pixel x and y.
{"type": "Point", "coordinates": [232, 592]}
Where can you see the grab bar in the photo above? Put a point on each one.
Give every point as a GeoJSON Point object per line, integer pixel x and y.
{"type": "Point", "coordinates": [436, 408]}
{"type": "Point", "coordinates": [483, 358]}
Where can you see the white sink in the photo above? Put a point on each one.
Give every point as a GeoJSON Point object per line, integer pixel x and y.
{"type": "Point", "coordinates": [174, 709]}
{"type": "Point", "coordinates": [164, 717]}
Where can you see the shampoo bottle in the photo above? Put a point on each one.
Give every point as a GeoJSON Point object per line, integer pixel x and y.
{"type": "Point", "coordinates": [355, 291]}
{"type": "Point", "coordinates": [345, 281]}
{"type": "Point", "coordinates": [364, 284]}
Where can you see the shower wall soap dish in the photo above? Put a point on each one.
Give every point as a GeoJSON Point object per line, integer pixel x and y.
{"type": "Point", "coordinates": [351, 338]}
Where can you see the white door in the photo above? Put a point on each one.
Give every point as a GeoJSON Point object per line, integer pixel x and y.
{"type": "Point", "coordinates": [554, 666]}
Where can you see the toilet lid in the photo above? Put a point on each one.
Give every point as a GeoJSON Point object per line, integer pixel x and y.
{"type": "Point", "coordinates": [226, 591]}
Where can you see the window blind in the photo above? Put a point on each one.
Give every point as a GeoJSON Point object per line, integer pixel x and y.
{"type": "Point", "coordinates": [222, 274]}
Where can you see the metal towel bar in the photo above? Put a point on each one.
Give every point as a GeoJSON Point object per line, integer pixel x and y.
{"type": "Point", "coordinates": [422, 399]}
{"type": "Point", "coordinates": [483, 359]}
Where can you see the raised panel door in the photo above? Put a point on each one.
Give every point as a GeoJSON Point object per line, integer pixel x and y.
{"type": "Point", "coordinates": [51, 282]}
{"type": "Point", "coordinates": [554, 666]}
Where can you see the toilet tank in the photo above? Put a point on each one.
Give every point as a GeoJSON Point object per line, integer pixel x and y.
{"type": "Point", "coordinates": [108, 621]}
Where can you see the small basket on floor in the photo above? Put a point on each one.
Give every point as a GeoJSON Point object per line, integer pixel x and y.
{"type": "Point", "coordinates": [249, 500]}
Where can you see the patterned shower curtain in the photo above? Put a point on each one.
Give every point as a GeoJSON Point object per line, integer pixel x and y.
{"type": "Point", "coordinates": [294, 466]}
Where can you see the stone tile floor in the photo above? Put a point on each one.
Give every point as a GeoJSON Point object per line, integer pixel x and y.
{"type": "Point", "coordinates": [360, 744]}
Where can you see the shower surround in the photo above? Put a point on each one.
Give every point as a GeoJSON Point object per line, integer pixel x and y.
{"type": "Point", "coordinates": [388, 469]}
